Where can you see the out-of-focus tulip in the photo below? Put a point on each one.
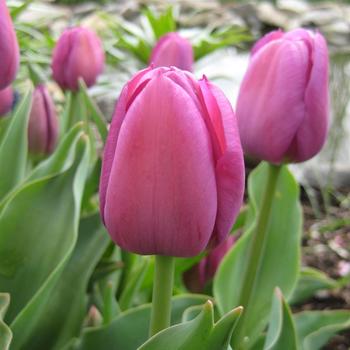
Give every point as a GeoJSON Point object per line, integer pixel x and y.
{"type": "Point", "coordinates": [78, 54]}
{"type": "Point", "coordinates": [9, 51]}
{"type": "Point", "coordinates": [283, 108]}
{"type": "Point", "coordinates": [172, 175]}
{"type": "Point", "coordinates": [6, 100]}
{"type": "Point", "coordinates": [202, 273]}
{"type": "Point", "coordinates": [173, 50]}
{"type": "Point", "coordinates": [43, 123]}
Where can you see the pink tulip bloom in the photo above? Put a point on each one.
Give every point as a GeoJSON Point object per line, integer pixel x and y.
{"type": "Point", "coordinates": [173, 50]}
{"type": "Point", "coordinates": [78, 54]}
{"type": "Point", "coordinates": [9, 50]}
{"type": "Point", "coordinates": [43, 123]}
{"type": "Point", "coordinates": [6, 100]}
{"type": "Point", "coordinates": [202, 273]}
{"type": "Point", "coordinates": [172, 174]}
{"type": "Point", "coordinates": [283, 104]}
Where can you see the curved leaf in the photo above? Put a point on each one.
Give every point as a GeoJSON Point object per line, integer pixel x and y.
{"type": "Point", "coordinates": [129, 330]}
{"type": "Point", "coordinates": [38, 229]}
{"type": "Point", "coordinates": [315, 328]}
{"type": "Point", "coordinates": [14, 147]}
{"type": "Point", "coordinates": [5, 331]}
{"type": "Point", "coordinates": [55, 320]}
{"type": "Point", "coordinates": [279, 265]}
{"type": "Point", "coordinates": [200, 333]}
{"type": "Point", "coordinates": [281, 332]}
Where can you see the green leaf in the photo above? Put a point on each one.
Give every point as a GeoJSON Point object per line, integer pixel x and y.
{"type": "Point", "coordinates": [134, 283]}
{"type": "Point", "coordinates": [211, 41]}
{"type": "Point", "coordinates": [39, 225]}
{"type": "Point", "coordinates": [5, 331]}
{"type": "Point", "coordinates": [281, 332]}
{"type": "Point", "coordinates": [311, 281]}
{"type": "Point", "coordinates": [94, 112]}
{"type": "Point", "coordinates": [130, 330]}
{"type": "Point", "coordinates": [60, 317]}
{"type": "Point", "coordinates": [200, 333]}
{"type": "Point", "coordinates": [14, 147]}
{"type": "Point", "coordinates": [315, 328]}
{"type": "Point", "coordinates": [279, 265]}
{"type": "Point", "coordinates": [161, 23]}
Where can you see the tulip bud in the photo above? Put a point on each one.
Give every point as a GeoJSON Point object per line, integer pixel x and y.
{"type": "Point", "coordinates": [283, 108]}
{"type": "Point", "coordinates": [6, 100]}
{"type": "Point", "coordinates": [78, 54]}
{"type": "Point", "coordinates": [202, 273]}
{"type": "Point", "coordinates": [172, 174]}
{"type": "Point", "coordinates": [43, 123]}
{"type": "Point", "coordinates": [9, 50]}
{"type": "Point", "coordinates": [173, 50]}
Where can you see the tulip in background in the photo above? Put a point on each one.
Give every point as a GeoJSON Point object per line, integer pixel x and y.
{"type": "Point", "coordinates": [9, 50]}
{"type": "Point", "coordinates": [6, 100]}
{"type": "Point", "coordinates": [78, 54]}
{"type": "Point", "coordinates": [43, 123]}
{"type": "Point", "coordinates": [202, 273]}
{"type": "Point", "coordinates": [173, 50]}
{"type": "Point", "coordinates": [172, 176]}
{"type": "Point", "coordinates": [283, 108]}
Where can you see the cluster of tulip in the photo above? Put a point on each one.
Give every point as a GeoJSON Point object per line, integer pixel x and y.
{"type": "Point", "coordinates": [173, 178]}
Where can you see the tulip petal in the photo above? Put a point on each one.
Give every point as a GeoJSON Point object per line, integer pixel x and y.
{"type": "Point", "coordinates": [109, 150]}
{"type": "Point", "coordinates": [161, 198]}
{"type": "Point", "coordinates": [267, 38]}
{"type": "Point", "coordinates": [312, 132]}
{"type": "Point", "coordinates": [9, 49]}
{"type": "Point", "coordinates": [275, 82]}
{"type": "Point", "coordinates": [173, 50]}
{"type": "Point", "coordinates": [229, 163]}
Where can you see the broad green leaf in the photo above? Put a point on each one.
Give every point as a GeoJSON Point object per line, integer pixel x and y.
{"type": "Point", "coordinates": [279, 265]}
{"type": "Point", "coordinates": [130, 330]}
{"type": "Point", "coordinates": [200, 333]}
{"type": "Point", "coordinates": [281, 331]}
{"type": "Point", "coordinates": [38, 227]}
{"type": "Point", "coordinates": [14, 147]}
{"type": "Point", "coordinates": [310, 281]}
{"type": "Point", "coordinates": [53, 321]}
{"type": "Point", "coordinates": [5, 331]}
{"type": "Point", "coordinates": [315, 328]}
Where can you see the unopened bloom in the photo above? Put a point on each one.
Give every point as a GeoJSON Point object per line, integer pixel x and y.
{"type": "Point", "coordinates": [202, 273]}
{"type": "Point", "coordinates": [172, 174]}
{"type": "Point", "coordinates": [283, 107]}
{"type": "Point", "coordinates": [6, 100]}
{"type": "Point", "coordinates": [78, 54]}
{"type": "Point", "coordinates": [173, 50]}
{"type": "Point", "coordinates": [9, 51]}
{"type": "Point", "coordinates": [43, 123]}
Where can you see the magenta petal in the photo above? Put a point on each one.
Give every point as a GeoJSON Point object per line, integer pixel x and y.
{"type": "Point", "coordinates": [9, 50]}
{"type": "Point", "coordinates": [270, 105]}
{"type": "Point", "coordinates": [111, 144]}
{"type": "Point", "coordinates": [6, 100]}
{"type": "Point", "coordinates": [267, 38]}
{"type": "Point", "coordinates": [161, 195]}
{"type": "Point", "coordinates": [173, 50]}
{"type": "Point", "coordinates": [229, 164]}
{"type": "Point", "coordinates": [312, 132]}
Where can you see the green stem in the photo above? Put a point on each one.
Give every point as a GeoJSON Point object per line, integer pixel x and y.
{"type": "Point", "coordinates": [258, 242]}
{"type": "Point", "coordinates": [162, 292]}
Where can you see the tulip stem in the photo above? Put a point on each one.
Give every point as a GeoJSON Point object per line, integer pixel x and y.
{"type": "Point", "coordinates": [258, 242]}
{"type": "Point", "coordinates": [162, 292]}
